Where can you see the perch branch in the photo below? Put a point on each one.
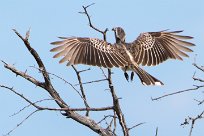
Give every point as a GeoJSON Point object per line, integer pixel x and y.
{"type": "Point", "coordinates": [116, 104]}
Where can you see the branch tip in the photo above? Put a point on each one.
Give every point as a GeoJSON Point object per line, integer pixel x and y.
{"type": "Point", "coordinates": [85, 7]}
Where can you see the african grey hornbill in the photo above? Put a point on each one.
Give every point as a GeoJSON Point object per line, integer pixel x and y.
{"type": "Point", "coordinates": [149, 49]}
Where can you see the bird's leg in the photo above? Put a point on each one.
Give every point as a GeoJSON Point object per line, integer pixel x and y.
{"type": "Point", "coordinates": [132, 76]}
{"type": "Point", "coordinates": [126, 74]}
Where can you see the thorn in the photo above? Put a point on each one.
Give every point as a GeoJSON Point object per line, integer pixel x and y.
{"type": "Point", "coordinates": [106, 30]}
{"type": "Point", "coordinates": [4, 62]}
{"type": "Point", "coordinates": [28, 34]}
{"type": "Point", "coordinates": [81, 12]}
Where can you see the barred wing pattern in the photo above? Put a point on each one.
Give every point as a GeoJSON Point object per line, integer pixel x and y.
{"type": "Point", "coordinates": [152, 48]}
{"type": "Point", "coordinates": [90, 51]}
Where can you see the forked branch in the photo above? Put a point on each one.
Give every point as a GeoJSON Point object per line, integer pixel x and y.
{"type": "Point", "coordinates": [47, 86]}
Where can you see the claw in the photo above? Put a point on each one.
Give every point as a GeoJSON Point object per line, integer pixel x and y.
{"type": "Point", "coordinates": [132, 76]}
{"type": "Point", "coordinates": [126, 76]}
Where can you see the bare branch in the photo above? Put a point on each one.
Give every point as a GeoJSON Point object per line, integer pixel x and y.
{"type": "Point", "coordinates": [199, 67]}
{"type": "Point", "coordinates": [116, 104]}
{"type": "Point", "coordinates": [22, 109]}
{"type": "Point", "coordinates": [66, 82]}
{"type": "Point", "coordinates": [82, 89]}
{"type": "Point", "coordinates": [198, 79]}
{"type": "Point", "coordinates": [54, 109]}
{"type": "Point", "coordinates": [199, 102]}
{"type": "Point", "coordinates": [21, 123]}
{"type": "Point", "coordinates": [90, 23]}
{"type": "Point", "coordinates": [178, 92]}
{"type": "Point", "coordinates": [115, 124]}
{"type": "Point", "coordinates": [35, 55]}
{"type": "Point", "coordinates": [136, 125]}
{"type": "Point", "coordinates": [84, 70]}
{"type": "Point", "coordinates": [192, 121]}
{"type": "Point", "coordinates": [107, 116]}
{"type": "Point", "coordinates": [20, 95]}
{"type": "Point", "coordinates": [23, 74]}
{"type": "Point", "coordinates": [90, 82]}
{"type": "Point", "coordinates": [47, 85]}
{"type": "Point", "coordinates": [104, 73]}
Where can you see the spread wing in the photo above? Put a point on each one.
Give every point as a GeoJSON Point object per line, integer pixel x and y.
{"type": "Point", "coordinates": [89, 51]}
{"type": "Point", "coordinates": [152, 48]}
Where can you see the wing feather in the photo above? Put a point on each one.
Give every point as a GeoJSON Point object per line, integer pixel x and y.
{"type": "Point", "coordinates": [152, 48]}
{"type": "Point", "coordinates": [89, 51]}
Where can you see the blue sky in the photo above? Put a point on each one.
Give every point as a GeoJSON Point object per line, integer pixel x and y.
{"type": "Point", "coordinates": [49, 19]}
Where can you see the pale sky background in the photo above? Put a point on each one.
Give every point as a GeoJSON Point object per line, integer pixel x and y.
{"type": "Point", "coordinates": [49, 19]}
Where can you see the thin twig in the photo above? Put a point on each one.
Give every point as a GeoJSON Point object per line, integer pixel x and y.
{"type": "Point", "coordinates": [192, 121]}
{"type": "Point", "coordinates": [82, 89]}
{"type": "Point", "coordinates": [178, 92]}
{"type": "Point", "coordinates": [55, 109]}
{"type": "Point", "coordinates": [19, 124]}
{"type": "Point", "coordinates": [23, 74]}
{"type": "Point", "coordinates": [65, 81]}
{"type": "Point", "coordinates": [80, 71]}
{"type": "Point", "coordinates": [90, 23]}
{"type": "Point", "coordinates": [90, 82]}
{"type": "Point", "coordinates": [199, 102]}
{"type": "Point", "coordinates": [198, 67]}
{"type": "Point", "coordinates": [198, 79]}
{"type": "Point", "coordinates": [20, 95]}
{"type": "Point", "coordinates": [136, 125]}
{"type": "Point", "coordinates": [104, 74]}
{"type": "Point", "coordinates": [22, 109]}
{"type": "Point", "coordinates": [107, 116]}
{"type": "Point", "coordinates": [115, 124]}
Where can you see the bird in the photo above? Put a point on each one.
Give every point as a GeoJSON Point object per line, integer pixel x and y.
{"type": "Point", "coordinates": [148, 49]}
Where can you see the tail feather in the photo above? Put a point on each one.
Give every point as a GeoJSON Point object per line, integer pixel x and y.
{"type": "Point", "coordinates": [146, 78]}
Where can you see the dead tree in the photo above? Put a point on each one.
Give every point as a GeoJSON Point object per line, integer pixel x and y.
{"type": "Point", "coordinates": [117, 115]}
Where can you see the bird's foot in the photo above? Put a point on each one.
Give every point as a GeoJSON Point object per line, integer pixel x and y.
{"type": "Point", "coordinates": [132, 76]}
{"type": "Point", "coordinates": [126, 76]}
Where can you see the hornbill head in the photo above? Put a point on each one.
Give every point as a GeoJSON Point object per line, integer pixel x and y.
{"type": "Point", "coordinates": [119, 34]}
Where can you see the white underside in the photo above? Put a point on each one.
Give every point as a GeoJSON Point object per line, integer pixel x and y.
{"type": "Point", "coordinates": [156, 83]}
